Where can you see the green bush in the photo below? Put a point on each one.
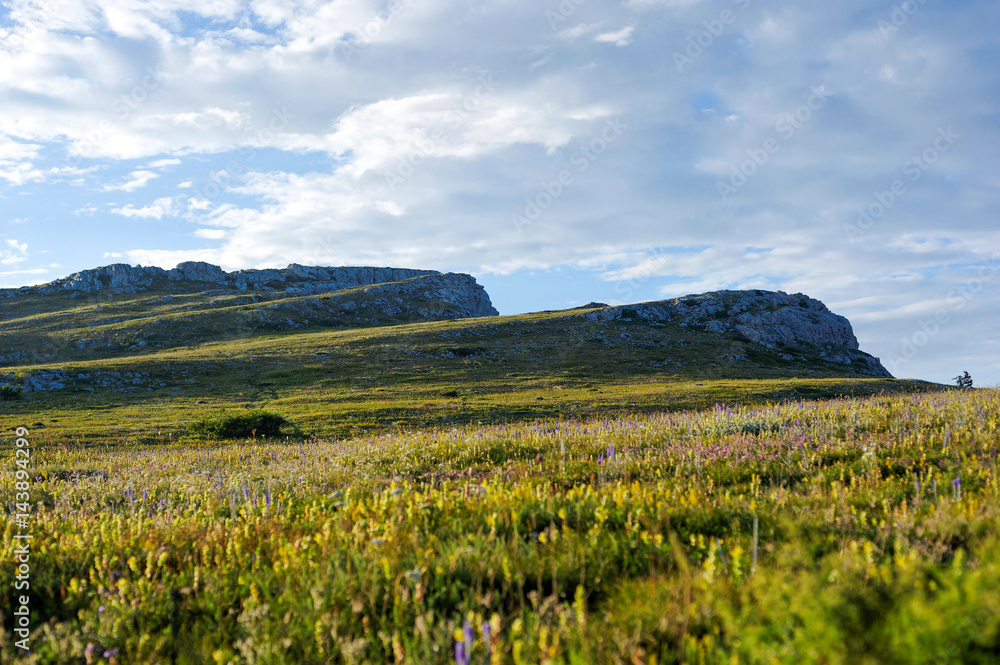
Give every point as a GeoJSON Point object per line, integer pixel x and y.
{"type": "Point", "coordinates": [254, 423]}
{"type": "Point", "coordinates": [9, 393]}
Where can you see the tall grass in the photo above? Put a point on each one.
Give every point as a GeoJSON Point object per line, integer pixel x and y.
{"type": "Point", "coordinates": [809, 532]}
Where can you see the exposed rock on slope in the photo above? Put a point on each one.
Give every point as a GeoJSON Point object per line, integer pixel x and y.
{"type": "Point", "coordinates": [295, 279]}
{"type": "Point", "coordinates": [459, 291]}
{"type": "Point", "coordinates": [122, 309]}
{"type": "Point", "coordinates": [776, 320]}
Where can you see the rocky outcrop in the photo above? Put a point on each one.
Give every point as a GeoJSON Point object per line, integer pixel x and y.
{"type": "Point", "coordinates": [776, 320]}
{"type": "Point", "coordinates": [459, 291]}
{"type": "Point", "coordinates": [44, 380]}
{"type": "Point", "coordinates": [298, 278]}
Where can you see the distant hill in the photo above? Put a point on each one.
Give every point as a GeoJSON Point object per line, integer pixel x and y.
{"type": "Point", "coordinates": [126, 353]}
{"type": "Point", "coordinates": [127, 315]}
{"type": "Point", "coordinates": [121, 309]}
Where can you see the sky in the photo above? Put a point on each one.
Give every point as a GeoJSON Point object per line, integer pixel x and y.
{"type": "Point", "coordinates": [562, 151]}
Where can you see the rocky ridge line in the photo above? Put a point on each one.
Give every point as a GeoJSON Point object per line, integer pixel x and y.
{"type": "Point", "coordinates": [776, 320]}
{"type": "Point", "coordinates": [458, 290]}
{"type": "Point", "coordinates": [295, 279]}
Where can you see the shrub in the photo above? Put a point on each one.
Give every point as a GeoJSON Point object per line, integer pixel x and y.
{"type": "Point", "coordinates": [256, 422]}
{"type": "Point", "coordinates": [9, 393]}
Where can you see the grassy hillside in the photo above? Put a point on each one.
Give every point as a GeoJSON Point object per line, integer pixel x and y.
{"type": "Point", "coordinates": [337, 383]}
{"type": "Point", "coordinates": [44, 328]}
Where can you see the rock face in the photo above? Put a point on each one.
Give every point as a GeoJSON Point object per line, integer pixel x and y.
{"type": "Point", "coordinates": [775, 320]}
{"type": "Point", "coordinates": [459, 290]}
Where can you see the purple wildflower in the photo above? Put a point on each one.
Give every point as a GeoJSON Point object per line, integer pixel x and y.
{"type": "Point", "coordinates": [469, 637]}
{"type": "Point", "coordinates": [460, 657]}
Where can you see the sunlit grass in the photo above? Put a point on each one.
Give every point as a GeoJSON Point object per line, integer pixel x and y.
{"type": "Point", "coordinates": [599, 538]}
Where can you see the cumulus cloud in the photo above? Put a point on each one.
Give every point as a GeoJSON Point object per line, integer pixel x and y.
{"type": "Point", "coordinates": [159, 209]}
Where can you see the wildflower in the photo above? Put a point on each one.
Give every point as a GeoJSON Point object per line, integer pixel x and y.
{"type": "Point", "coordinates": [468, 635]}
{"type": "Point", "coordinates": [460, 657]}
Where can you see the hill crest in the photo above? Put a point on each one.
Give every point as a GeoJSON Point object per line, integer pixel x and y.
{"type": "Point", "coordinates": [121, 310]}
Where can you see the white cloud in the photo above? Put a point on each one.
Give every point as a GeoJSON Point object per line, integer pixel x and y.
{"type": "Point", "coordinates": [159, 209]}
{"type": "Point", "coordinates": [162, 163]}
{"type": "Point", "coordinates": [577, 31]}
{"type": "Point", "coordinates": [211, 234]}
{"type": "Point", "coordinates": [384, 134]}
{"type": "Point", "coordinates": [16, 159]}
{"type": "Point", "coordinates": [137, 180]}
{"type": "Point", "coordinates": [622, 37]}
{"type": "Point", "coordinates": [207, 119]}
{"type": "Point", "coordinates": [17, 253]}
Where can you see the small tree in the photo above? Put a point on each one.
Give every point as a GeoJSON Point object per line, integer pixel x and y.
{"type": "Point", "coordinates": [963, 380]}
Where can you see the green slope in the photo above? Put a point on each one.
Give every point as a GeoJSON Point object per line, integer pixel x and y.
{"type": "Point", "coordinates": [337, 383]}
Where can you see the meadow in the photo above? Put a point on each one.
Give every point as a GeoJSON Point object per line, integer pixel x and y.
{"type": "Point", "coordinates": [848, 530]}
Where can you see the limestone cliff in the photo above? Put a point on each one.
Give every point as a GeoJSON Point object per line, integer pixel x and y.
{"type": "Point", "coordinates": [459, 292]}
{"type": "Point", "coordinates": [776, 320]}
